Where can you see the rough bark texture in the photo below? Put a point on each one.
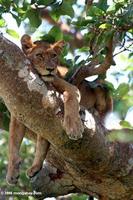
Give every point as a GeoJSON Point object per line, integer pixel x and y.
{"type": "Point", "coordinates": [90, 165]}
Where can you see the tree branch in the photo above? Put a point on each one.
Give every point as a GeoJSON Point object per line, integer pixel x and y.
{"type": "Point", "coordinates": [90, 165]}
{"type": "Point", "coordinates": [92, 68]}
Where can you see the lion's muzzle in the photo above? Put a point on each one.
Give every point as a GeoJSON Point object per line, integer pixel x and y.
{"type": "Point", "coordinates": [49, 74]}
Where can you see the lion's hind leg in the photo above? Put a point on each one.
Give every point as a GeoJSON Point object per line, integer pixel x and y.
{"type": "Point", "coordinates": [42, 147]}
{"type": "Point", "coordinates": [17, 131]}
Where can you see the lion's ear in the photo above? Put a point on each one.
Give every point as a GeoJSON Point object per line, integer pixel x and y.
{"type": "Point", "coordinates": [26, 43]}
{"type": "Point", "coordinates": [58, 46]}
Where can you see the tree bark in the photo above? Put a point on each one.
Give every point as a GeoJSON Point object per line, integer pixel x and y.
{"type": "Point", "coordinates": [90, 165]}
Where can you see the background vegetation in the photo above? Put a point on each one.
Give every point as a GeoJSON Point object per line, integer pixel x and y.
{"type": "Point", "coordinates": [86, 27]}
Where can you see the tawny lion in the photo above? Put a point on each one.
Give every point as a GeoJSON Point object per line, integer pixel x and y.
{"type": "Point", "coordinates": [44, 58]}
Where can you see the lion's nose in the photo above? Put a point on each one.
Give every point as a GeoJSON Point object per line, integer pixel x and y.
{"type": "Point", "coordinates": [50, 69]}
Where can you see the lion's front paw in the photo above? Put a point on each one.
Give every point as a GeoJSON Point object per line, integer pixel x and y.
{"type": "Point", "coordinates": [73, 127]}
{"type": "Point", "coordinates": [12, 180]}
{"type": "Point", "coordinates": [13, 171]}
{"type": "Point", "coordinates": [33, 170]}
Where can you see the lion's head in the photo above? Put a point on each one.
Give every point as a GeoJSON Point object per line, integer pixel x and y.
{"type": "Point", "coordinates": [43, 56]}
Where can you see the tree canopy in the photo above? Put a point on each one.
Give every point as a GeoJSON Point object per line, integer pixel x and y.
{"type": "Point", "coordinates": [99, 41]}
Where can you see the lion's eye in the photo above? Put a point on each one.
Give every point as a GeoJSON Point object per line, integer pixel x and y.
{"type": "Point", "coordinates": [54, 55]}
{"type": "Point", "coordinates": [39, 55]}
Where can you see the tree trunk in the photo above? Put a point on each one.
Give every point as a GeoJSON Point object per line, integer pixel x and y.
{"type": "Point", "coordinates": [90, 165]}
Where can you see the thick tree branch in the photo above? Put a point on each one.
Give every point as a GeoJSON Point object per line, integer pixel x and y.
{"type": "Point", "coordinates": [91, 165]}
{"type": "Point", "coordinates": [22, 94]}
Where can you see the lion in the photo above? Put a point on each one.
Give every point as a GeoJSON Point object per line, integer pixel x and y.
{"type": "Point", "coordinates": [96, 95]}
{"type": "Point", "coordinates": [44, 58]}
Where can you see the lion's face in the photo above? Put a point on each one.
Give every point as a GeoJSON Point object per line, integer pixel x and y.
{"type": "Point", "coordinates": [43, 56]}
{"type": "Point", "coordinates": [45, 60]}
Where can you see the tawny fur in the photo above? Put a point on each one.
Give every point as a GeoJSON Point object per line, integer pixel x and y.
{"type": "Point", "coordinates": [93, 94]}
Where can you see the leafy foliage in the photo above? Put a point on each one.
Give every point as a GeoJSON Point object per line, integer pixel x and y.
{"type": "Point", "coordinates": [87, 30]}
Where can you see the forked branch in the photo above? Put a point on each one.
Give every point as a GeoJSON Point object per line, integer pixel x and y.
{"type": "Point", "coordinates": [93, 68]}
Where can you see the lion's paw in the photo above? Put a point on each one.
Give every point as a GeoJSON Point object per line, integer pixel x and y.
{"type": "Point", "coordinates": [13, 172]}
{"type": "Point", "coordinates": [33, 170]}
{"type": "Point", "coordinates": [73, 127]}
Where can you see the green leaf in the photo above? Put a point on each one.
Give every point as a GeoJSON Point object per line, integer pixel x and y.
{"type": "Point", "coordinates": [16, 1]}
{"type": "Point", "coordinates": [6, 4]}
{"type": "Point", "coordinates": [2, 10]}
{"type": "Point", "coordinates": [109, 86]}
{"type": "Point", "coordinates": [34, 18]}
{"type": "Point", "coordinates": [102, 4]}
{"type": "Point", "coordinates": [53, 35]}
{"type": "Point", "coordinates": [120, 136]}
{"type": "Point", "coordinates": [45, 2]}
{"type": "Point", "coordinates": [56, 33]}
{"type": "Point", "coordinates": [79, 197]}
{"type": "Point", "coordinates": [82, 22]}
{"type": "Point", "coordinates": [122, 90]}
{"type": "Point", "coordinates": [104, 37]}
{"type": "Point", "coordinates": [84, 49]}
{"type": "Point", "coordinates": [13, 33]}
{"type": "Point", "coordinates": [100, 58]}
{"type": "Point", "coordinates": [65, 9]}
{"type": "Point", "coordinates": [105, 26]}
{"type": "Point", "coordinates": [18, 20]}
{"type": "Point", "coordinates": [67, 37]}
{"type": "Point", "coordinates": [129, 67]}
{"type": "Point", "coordinates": [95, 11]}
{"type": "Point", "coordinates": [125, 124]}
{"type": "Point", "coordinates": [115, 7]}
{"type": "Point", "coordinates": [118, 6]}
{"type": "Point", "coordinates": [2, 23]}
{"type": "Point", "coordinates": [48, 38]}
{"type": "Point", "coordinates": [131, 55]}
